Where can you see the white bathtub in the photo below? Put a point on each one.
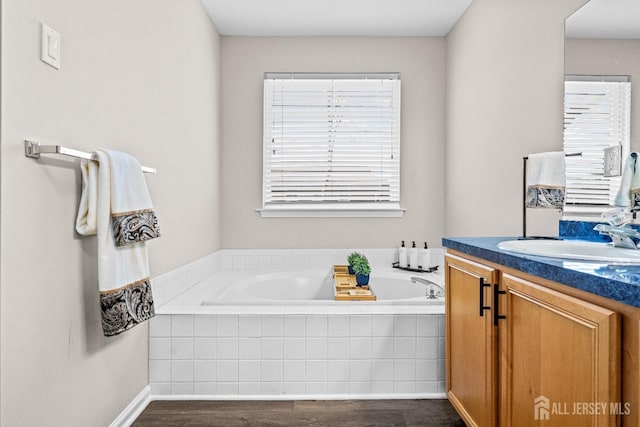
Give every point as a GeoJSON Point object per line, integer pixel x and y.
{"type": "Point", "coordinates": [316, 286]}
{"type": "Point", "coordinates": [272, 333]}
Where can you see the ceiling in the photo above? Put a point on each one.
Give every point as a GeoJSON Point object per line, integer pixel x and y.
{"type": "Point", "coordinates": [335, 17]}
{"type": "Point", "coordinates": [435, 18]}
{"type": "Point", "coordinates": [606, 19]}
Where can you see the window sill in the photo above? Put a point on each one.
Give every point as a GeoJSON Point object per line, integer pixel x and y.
{"type": "Point", "coordinates": [318, 212]}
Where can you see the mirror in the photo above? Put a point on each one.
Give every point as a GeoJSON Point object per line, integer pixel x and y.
{"type": "Point", "coordinates": [602, 42]}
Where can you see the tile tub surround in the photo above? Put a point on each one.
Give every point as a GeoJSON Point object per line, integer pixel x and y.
{"type": "Point", "coordinates": [297, 355]}
{"type": "Point", "coordinates": [289, 351]}
{"type": "Point", "coordinates": [168, 286]}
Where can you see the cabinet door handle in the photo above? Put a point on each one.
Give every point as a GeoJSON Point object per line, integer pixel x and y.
{"type": "Point", "coordinates": [496, 304]}
{"type": "Point", "coordinates": [482, 306]}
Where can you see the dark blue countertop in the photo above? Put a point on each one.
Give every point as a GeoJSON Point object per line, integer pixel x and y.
{"type": "Point", "coordinates": [614, 281]}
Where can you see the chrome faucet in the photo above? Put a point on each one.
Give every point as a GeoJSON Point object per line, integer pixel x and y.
{"type": "Point", "coordinates": [429, 293]}
{"type": "Point", "coordinates": [621, 236]}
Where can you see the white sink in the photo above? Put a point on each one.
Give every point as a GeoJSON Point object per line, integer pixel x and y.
{"type": "Point", "coordinates": [573, 249]}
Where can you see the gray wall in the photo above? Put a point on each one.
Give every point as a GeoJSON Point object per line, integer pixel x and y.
{"type": "Point", "coordinates": [421, 62]}
{"type": "Point", "coordinates": [609, 57]}
{"type": "Point", "coordinates": [504, 101]}
{"type": "Point", "coordinates": [142, 77]}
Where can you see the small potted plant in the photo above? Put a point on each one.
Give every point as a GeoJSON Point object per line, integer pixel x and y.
{"type": "Point", "coordinates": [362, 269]}
{"type": "Point", "coordinates": [352, 259]}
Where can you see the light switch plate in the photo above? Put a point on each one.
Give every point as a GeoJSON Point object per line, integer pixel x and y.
{"type": "Point", "coordinates": [50, 46]}
{"type": "Point", "coordinates": [613, 160]}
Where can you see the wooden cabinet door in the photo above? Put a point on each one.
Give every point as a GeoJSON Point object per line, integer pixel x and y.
{"type": "Point", "coordinates": [559, 359]}
{"type": "Point", "coordinates": [471, 353]}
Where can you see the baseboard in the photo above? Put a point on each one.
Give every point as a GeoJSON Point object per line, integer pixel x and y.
{"type": "Point", "coordinates": [410, 396]}
{"type": "Point", "coordinates": [134, 409]}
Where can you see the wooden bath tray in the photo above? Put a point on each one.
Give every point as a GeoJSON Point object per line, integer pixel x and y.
{"type": "Point", "coordinates": [345, 286]}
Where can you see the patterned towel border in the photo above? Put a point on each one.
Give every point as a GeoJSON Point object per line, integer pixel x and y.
{"type": "Point", "coordinates": [545, 197]}
{"type": "Point", "coordinates": [125, 307]}
{"type": "Point", "coordinates": [134, 227]}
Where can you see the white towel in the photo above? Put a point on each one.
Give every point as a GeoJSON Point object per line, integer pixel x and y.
{"type": "Point", "coordinates": [123, 271]}
{"type": "Point", "coordinates": [545, 180]}
{"type": "Point", "coordinates": [132, 213]}
{"type": "Point", "coordinates": [629, 191]}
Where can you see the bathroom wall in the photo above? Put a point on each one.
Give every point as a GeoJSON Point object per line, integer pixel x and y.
{"type": "Point", "coordinates": [608, 57]}
{"type": "Point", "coordinates": [421, 62]}
{"type": "Point", "coordinates": [504, 101]}
{"type": "Point", "coordinates": [137, 76]}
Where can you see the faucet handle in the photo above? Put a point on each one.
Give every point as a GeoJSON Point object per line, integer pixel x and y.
{"type": "Point", "coordinates": [622, 237]}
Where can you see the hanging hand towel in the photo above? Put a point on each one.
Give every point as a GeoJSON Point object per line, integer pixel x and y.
{"type": "Point", "coordinates": [123, 271]}
{"type": "Point", "coordinates": [629, 193]}
{"type": "Point", "coordinates": [545, 180]}
{"type": "Point", "coordinates": [132, 214]}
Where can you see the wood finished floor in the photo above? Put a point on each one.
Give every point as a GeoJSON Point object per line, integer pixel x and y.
{"type": "Point", "coordinates": [334, 413]}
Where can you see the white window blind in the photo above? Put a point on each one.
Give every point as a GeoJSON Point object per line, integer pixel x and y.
{"type": "Point", "coordinates": [596, 116]}
{"type": "Point", "coordinates": [331, 141]}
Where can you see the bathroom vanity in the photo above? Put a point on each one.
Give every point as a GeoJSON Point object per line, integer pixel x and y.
{"type": "Point", "coordinates": [533, 338]}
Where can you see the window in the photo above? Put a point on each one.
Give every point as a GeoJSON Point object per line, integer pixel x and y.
{"type": "Point", "coordinates": [597, 113]}
{"type": "Point", "coordinates": [331, 145]}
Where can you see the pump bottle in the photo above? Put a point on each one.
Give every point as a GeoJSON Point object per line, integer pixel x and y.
{"type": "Point", "coordinates": [425, 257]}
{"type": "Point", "coordinates": [402, 256]}
{"type": "Point", "coordinates": [413, 256]}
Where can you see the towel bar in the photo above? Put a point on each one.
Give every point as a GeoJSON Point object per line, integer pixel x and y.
{"type": "Point", "coordinates": [33, 149]}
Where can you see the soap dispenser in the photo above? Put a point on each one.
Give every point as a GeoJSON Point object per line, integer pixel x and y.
{"type": "Point", "coordinates": [425, 257]}
{"type": "Point", "coordinates": [413, 256]}
{"type": "Point", "coordinates": [402, 256]}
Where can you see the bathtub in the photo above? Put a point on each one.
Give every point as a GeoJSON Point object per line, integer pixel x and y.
{"type": "Point", "coordinates": [277, 334]}
{"type": "Point", "coordinates": [310, 286]}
